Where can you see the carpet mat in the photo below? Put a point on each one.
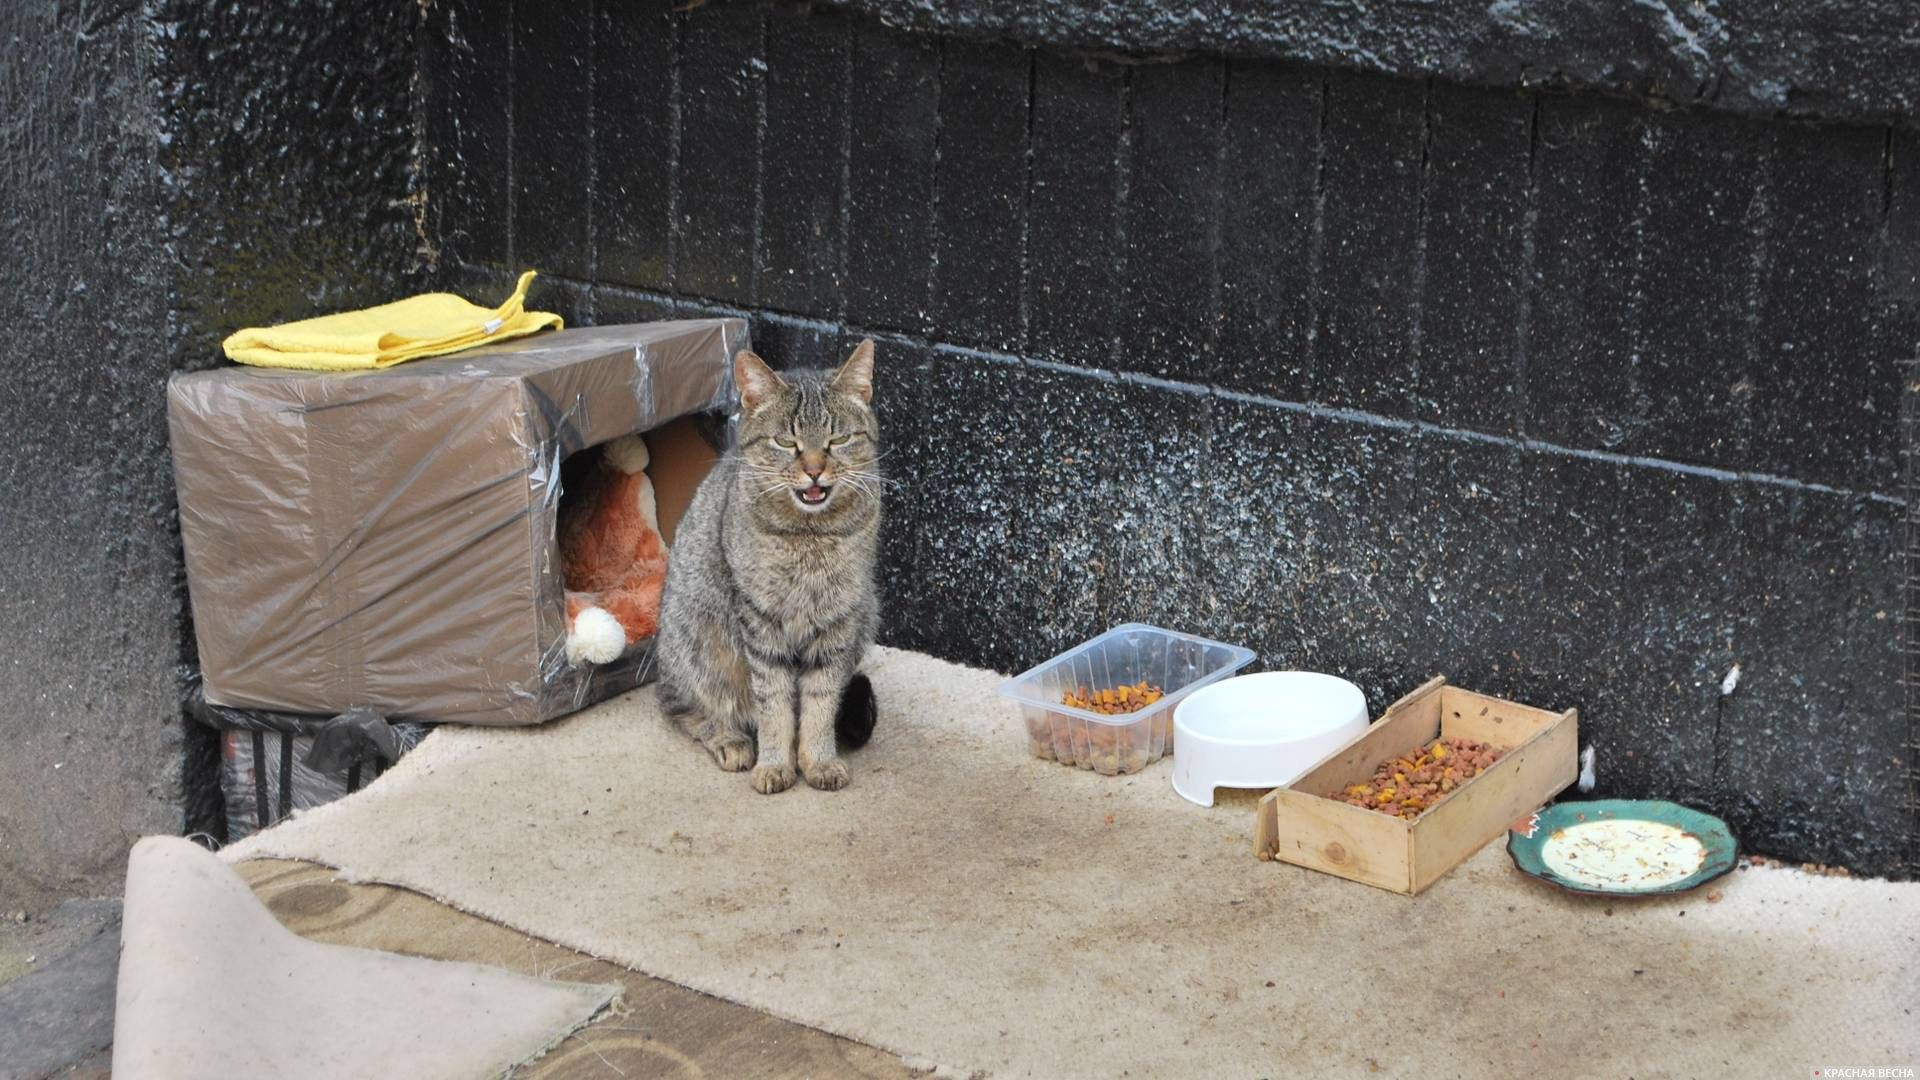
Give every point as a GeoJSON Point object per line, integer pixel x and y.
{"type": "Point", "coordinates": [965, 905]}
{"type": "Point", "coordinates": [211, 986]}
{"type": "Point", "coordinates": [655, 1029]}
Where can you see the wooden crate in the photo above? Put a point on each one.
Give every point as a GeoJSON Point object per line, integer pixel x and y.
{"type": "Point", "coordinates": [1301, 825]}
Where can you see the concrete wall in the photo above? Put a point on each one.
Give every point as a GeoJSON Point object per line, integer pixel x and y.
{"type": "Point", "coordinates": [88, 623]}
{"type": "Point", "coordinates": [1576, 399]}
{"type": "Point", "coordinates": [1854, 61]}
{"type": "Point", "coordinates": [168, 173]}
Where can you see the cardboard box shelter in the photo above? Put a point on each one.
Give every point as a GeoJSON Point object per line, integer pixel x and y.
{"type": "Point", "coordinates": [388, 538]}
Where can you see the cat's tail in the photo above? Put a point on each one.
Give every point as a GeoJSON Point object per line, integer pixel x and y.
{"type": "Point", "coordinates": [853, 724]}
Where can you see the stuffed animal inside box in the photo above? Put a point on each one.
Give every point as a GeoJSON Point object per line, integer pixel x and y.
{"type": "Point", "coordinates": [399, 539]}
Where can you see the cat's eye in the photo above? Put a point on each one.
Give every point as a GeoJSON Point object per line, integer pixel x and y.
{"type": "Point", "coordinates": [840, 440]}
{"type": "Point", "coordinates": [785, 443]}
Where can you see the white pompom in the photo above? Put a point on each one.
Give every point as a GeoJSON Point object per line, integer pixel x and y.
{"type": "Point", "coordinates": [596, 638]}
{"type": "Point", "coordinates": [628, 454]}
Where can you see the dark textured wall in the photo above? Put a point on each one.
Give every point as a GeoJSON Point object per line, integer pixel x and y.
{"type": "Point", "coordinates": [1850, 60]}
{"type": "Point", "coordinates": [1578, 400]}
{"type": "Point", "coordinates": [168, 173]}
{"type": "Point", "coordinates": [289, 161]}
{"type": "Point", "coordinates": [89, 746]}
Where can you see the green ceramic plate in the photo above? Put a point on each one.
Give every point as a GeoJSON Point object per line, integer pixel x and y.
{"type": "Point", "coordinates": [1622, 847]}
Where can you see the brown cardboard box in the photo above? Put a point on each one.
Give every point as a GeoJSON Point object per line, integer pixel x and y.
{"type": "Point", "coordinates": [387, 538]}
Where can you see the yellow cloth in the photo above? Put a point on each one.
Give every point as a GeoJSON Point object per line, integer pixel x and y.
{"type": "Point", "coordinates": [432, 324]}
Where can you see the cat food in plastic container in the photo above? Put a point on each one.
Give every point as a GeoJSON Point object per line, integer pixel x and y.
{"type": "Point", "coordinates": [1171, 664]}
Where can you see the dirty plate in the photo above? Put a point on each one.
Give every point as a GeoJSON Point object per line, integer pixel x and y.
{"type": "Point", "coordinates": [1623, 847]}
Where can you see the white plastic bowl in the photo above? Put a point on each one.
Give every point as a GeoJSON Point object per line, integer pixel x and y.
{"type": "Point", "coordinates": [1261, 731]}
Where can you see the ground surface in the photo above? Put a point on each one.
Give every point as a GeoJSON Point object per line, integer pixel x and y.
{"type": "Point", "coordinates": [56, 1011]}
{"type": "Point", "coordinates": [962, 881]}
{"type": "Point", "coordinates": [56, 990]}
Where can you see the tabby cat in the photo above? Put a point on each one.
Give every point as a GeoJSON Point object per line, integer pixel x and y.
{"type": "Point", "coordinates": [770, 598]}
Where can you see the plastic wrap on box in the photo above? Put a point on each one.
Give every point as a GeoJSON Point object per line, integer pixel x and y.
{"type": "Point", "coordinates": [388, 538]}
{"type": "Point", "coordinates": [273, 763]}
{"type": "Point", "coordinates": [265, 775]}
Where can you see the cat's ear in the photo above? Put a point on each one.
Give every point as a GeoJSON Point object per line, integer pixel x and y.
{"type": "Point", "coordinates": [757, 382]}
{"type": "Point", "coordinates": [855, 377]}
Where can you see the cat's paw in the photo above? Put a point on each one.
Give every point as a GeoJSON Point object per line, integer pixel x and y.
{"type": "Point", "coordinates": [733, 753]}
{"type": "Point", "coordinates": [772, 779]}
{"type": "Point", "coordinates": [829, 775]}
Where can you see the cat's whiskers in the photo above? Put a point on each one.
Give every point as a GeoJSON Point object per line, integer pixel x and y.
{"type": "Point", "coordinates": [855, 483]}
{"type": "Point", "coordinates": [774, 479]}
{"type": "Point", "coordinates": [868, 482]}
{"type": "Point", "coordinates": [881, 479]}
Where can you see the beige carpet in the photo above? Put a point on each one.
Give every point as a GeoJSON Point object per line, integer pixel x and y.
{"type": "Point", "coordinates": [963, 904]}
{"type": "Point", "coordinates": [210, 985]}
{"type": "Point", "coordinates": [657, 1028]}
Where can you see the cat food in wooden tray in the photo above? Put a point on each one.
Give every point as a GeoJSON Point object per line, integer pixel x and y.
{"type": "Point", "coordinates": [1416, 781]}
{"type": "Point", "coordinates": [1333, 818]}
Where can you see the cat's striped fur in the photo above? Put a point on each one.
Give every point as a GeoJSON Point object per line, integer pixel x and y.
{"type": "Point", "coordinates": [770, 599]}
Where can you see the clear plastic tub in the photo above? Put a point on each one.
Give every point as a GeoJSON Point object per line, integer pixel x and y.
{"type": "Point", "coordinates": [1178, 664]}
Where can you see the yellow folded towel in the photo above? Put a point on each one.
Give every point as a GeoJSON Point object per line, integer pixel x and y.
{"type": "Point", "coordinates": [432, 324]}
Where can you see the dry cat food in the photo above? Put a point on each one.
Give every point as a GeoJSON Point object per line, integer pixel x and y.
{"type": "Point", "coordinates": [1115, 702]}
{"type": "Point", "coordinates": [1411, 783]}
{"type": "Point", "coordinates": [1106, 705]}
{"type": "Point", "coordinates": [1111, 749]}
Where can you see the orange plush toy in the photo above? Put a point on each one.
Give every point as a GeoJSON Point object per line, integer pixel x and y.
{"type": "Point", "coordinates": [612, 557]}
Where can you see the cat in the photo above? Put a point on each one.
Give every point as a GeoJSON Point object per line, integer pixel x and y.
{"type": "Point", "coordinates": [771, 599]}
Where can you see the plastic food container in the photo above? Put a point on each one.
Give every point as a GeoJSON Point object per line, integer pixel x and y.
{"type": "Point", "coordinates": [1178, 664]}
{"type": "Point", "coordinates": [1262, 731]}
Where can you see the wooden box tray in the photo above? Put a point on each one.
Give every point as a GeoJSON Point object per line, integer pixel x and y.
{"type": "Point", "coordinates": [1299, 824]}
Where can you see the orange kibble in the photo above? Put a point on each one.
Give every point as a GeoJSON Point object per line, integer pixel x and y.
{"type": "Point", "coordinates": [1114, 701]}
{"type": "Point", "coordinates": [1409, 785]}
